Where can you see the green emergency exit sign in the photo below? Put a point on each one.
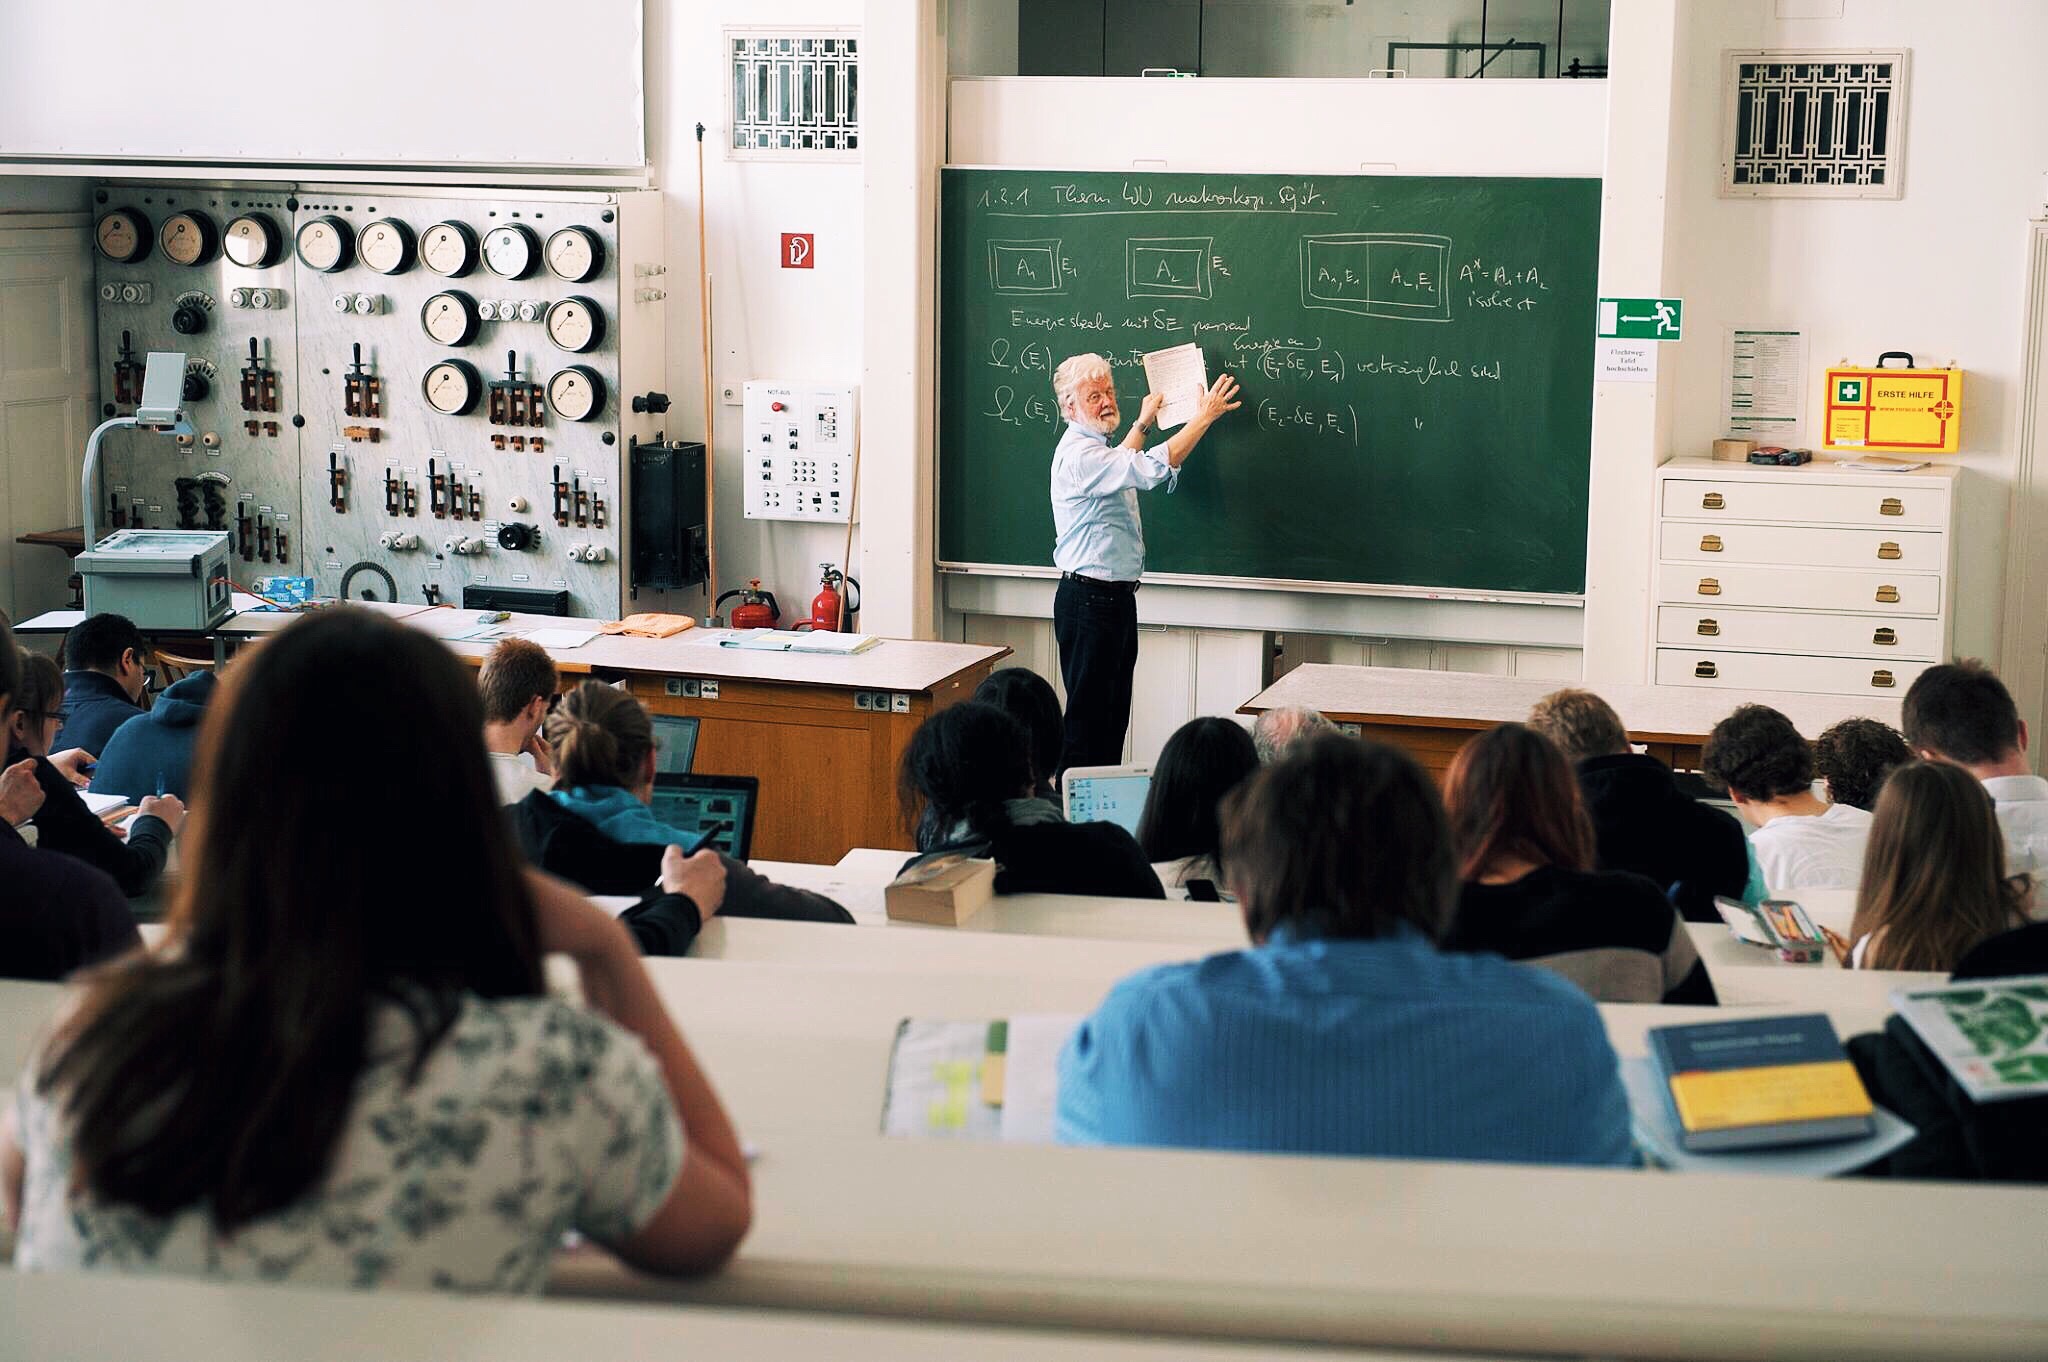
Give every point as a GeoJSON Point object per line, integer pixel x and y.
{"type": "Point", "coordinates": [1640, 318]}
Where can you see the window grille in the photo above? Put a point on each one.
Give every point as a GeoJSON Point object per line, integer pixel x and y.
{"type": "Point", "coordinates": [794, 95]}
{"type": "Point", "coordinates": [1814, 125]}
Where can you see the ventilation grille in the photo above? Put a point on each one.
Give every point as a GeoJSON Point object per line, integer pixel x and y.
{"type": "Point", "coordinates": [794, 95]}
{"type": "Point", "coordinates": [1825, 125]}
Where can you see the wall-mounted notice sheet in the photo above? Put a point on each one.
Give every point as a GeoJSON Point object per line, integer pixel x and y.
{"type": "Point", "coordinates": [1763, 384]}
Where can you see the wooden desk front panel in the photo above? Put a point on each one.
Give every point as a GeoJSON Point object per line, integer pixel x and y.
{"type": "Point", "coordinates": [827, 769]}
{"type": "Point", "coordinates": [1435, 745]}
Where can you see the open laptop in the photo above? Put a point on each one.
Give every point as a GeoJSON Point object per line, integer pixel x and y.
{"type": "Point", "coordinates": [1107, 794]}
{"type": "Point", "coordinates": [691, 803]}
{"type": "Point", "coordinates": [675, 743]}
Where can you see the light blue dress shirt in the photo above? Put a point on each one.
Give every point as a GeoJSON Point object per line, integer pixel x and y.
{"type": "Point", "coordinates": [1095, 488]}
{"type": "Point", "coordinates": [1387, 1048]}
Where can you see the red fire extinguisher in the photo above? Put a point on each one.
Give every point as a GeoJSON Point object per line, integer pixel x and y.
{"type": "Point", "coordinates": [756, 610]}
{"type": "Point", "coordinates": [825, 605]}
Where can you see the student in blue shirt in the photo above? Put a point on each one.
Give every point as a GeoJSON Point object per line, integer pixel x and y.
{"type": "Point", "coordinates": [1343, 1029]}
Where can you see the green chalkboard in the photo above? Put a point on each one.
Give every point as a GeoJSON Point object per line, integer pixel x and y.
{"type": "Point", "coordinates": [1416, 354]}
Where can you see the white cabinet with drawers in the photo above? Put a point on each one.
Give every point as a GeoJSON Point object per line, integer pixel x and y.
{"type": "Point", "coordinates": [1803, 579]}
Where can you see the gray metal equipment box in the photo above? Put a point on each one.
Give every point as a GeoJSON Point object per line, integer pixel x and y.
{"type": "Point", "coordinates": [160, 579]}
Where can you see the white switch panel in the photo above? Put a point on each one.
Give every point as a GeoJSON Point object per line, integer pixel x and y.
{"type": "Point", "coordinates": [797, 441]}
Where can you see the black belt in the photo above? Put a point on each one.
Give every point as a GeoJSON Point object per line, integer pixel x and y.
{"type": "Point", "coordinates": [1125, 587]}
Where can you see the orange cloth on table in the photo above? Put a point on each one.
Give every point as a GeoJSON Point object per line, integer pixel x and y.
{"type": "Point", "coordinates": [649, 625]}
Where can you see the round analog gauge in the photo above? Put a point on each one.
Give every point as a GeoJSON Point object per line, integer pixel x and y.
{"type": "Point", "coordinates": [326, 244]}
{"type": "Point", "coordinates": [252, 241]}
{"type": "Point", "coordinates": [188, 238]}
{"type": "Point", "coordinates": [575, 324]}
{"type": "Point", "coordinates": [575, 254]}
{"type": "Point", "coordinates": [448, 248]}
{"type": "Point", "coordinates": [511, 251]}
{"type": "Point", "coordinates": [576, 393]}
{"type": "Point", "coordinates": [386, 246]}
{"type": "Point", "coordinates": [450, 318]}
{"type": "Point", "coordinates": [452, 387]}
{"type": "Point", "coordinates": [122, 236]}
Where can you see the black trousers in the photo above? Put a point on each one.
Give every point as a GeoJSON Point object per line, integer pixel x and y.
{"type": "Point", "coordinates": [1096, 625]}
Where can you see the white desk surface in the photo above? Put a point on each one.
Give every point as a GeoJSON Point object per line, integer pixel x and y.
{"type": "Point", "coordinates": [1262, 1248]}
{"type": "Point", "coordinates": [84, 1317]}
{"type": "Point", "coordinates": [248, 622]}
{"type": "Point", "coordinates": [1677, 711]}
{"type": "Point", "coordinates": [937, 950]}
{"type": "Point", "coordinates": [893, 664]}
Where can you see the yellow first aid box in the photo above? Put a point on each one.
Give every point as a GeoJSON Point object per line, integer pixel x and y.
{"type": "Point", "coordinates": [1893, 411]}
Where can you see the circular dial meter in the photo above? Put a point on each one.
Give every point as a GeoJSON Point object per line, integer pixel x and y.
{"type": "Point", "coordinates": [386, 246]}
{"type": "Point", "coordinates": [188, 238]}
{"type": "Point", "coordinates": [450, 318]}
{"type": "Point", "coordinates": [122, 236]}
{"type": "Point", "coordinates": [448, 248]}
{"type": "Point", "coordinates": [253, 242]}
{"type": "Point", "coordinates": [576, 393]}
{"type": "Point", "coordinates": [575, 254]}
{"type": "Point", "coordinates": [575, 324]}
{"type": "Point", "coordinates": [511, 251]}
{"type": "Point", "coordinates": [326, 244]}
{"type": "Point", "coordinates": [452, 387]}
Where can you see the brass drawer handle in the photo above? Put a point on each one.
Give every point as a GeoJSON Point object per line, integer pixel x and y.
{"type": "Point", "coordinates": [1706, 671]}
{"type": "Point", "coordinates": [1888, 595]}
{"type": "Point", "coordinates": [1889, 550]}
{"type": "Point", "coordinates": [1882, 679]}
{"type": "Point", "coordinates": [1710, 586]}
{"type": "Point", "coordinates": [1885, 635]}
{"type": "Point", "coordinates": [1709, 628]}
{"type": "Point", "coordinates": [1710, 543]}
{"type": "Point", "coordinates": [1891, 506]}
{"type": "Point", "coordinates": [1713, 501]}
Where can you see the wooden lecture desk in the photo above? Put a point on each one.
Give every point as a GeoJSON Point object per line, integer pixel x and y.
{"type": "Point", "coordinates": [84, 1317]}
{"type": "Point", "coordinates": [1431, 714]}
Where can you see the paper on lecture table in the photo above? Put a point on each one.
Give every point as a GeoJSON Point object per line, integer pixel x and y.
{"type": "Point", "coordinates": [102, 803]}
{"type": "Point", "coordinates": [1656, 1134]}
{"type": "Point", "coordinates": [561, 638]}
{"type": "Point", "coordinates": [1031, 1080]}
{"type": "Point", "coordinates": [1180, 375]}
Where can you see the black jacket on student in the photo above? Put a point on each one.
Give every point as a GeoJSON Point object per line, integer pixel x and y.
{"type": "Point", "coordinates": [64, 824]}
{"type": "Point", "coordinates": [1954, 1137]}
{"type": "Point", "coordinates": [1643, 823]}
{"type": "Point", "coordinates": [1038, 852]}
{"type": "Point", "coordinates": [563, 843]}
{"type": "Point", "coordinates": [1613, 934]}
{"type": "Point", "coordinates": [57, 914]}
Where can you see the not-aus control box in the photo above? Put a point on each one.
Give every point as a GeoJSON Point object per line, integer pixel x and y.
{"type": "Point", "coordinates": [797, 445]}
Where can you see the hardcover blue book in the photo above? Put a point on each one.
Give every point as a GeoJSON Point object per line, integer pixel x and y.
{"type": "Point", "coordinates": [1767, 1081]}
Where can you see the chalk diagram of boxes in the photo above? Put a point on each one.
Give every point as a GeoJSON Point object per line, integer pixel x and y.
{"type": "Point", "coordinates": [1025, 266]}
{"type": "Point", "coordinates": [1375, 274]}
{"type": "Point", "coordinates": [1167, 266]}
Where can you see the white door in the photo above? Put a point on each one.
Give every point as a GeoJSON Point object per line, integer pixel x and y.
{"type": "Point", "coordinates": [47, 388]}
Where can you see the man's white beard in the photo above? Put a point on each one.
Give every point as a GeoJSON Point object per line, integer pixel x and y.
{"type": "Point", "coordinates": [1107, 426]}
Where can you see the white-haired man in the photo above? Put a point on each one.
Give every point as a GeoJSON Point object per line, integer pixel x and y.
{"type": "Point", "coordinates": [1099, 545]}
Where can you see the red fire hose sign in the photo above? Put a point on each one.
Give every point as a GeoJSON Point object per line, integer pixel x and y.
{"type": "Point", "coordinates": [797, 250]}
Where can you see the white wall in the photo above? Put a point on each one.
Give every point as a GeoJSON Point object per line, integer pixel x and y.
{"type": "Point", "coordinates": [768, 322]}
{"type": "Point", "coordinates": [1940, 272]}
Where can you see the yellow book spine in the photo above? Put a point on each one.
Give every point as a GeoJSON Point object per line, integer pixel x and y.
{"type": "Point", "coordinates": [1722, 1099]}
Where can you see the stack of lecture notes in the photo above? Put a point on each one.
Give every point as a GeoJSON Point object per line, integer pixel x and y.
{"type": "Point", "coordinates": [798, 641]}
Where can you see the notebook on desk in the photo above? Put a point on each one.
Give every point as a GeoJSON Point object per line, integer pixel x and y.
{"type": "Point", "coordinates": [691, 803]}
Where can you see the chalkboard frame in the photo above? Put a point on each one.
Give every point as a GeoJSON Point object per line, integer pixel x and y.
{"type": "Point", "coordinates": [1317, 586]}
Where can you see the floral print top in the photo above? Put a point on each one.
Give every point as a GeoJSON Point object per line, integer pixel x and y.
{"type": "Point", "coordinates": [532, 1117]}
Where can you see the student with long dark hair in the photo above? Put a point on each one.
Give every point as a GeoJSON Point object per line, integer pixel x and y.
{"type": "Point", "coordinates": [1343, 1029]}
{"type": "Point", "coordinates": [1525, 857]}
{"type": "Point", "coordinates": [1934, 882]}
{"type": "Point", "coordinates": [1179, 831]}
{"type": "Point", "coordinates": [342, 1065]}
{"type": "Point", "coordinates": [1029, 698]}
{"type": "Point", "coordinates": [966, 785]}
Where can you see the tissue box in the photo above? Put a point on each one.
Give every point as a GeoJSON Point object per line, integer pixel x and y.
{"type": "Point", "coordinates": [943, 892]}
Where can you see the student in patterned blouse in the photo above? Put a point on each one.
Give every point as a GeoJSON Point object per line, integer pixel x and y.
{"type": "Point", "coordinates": [342, 1066]}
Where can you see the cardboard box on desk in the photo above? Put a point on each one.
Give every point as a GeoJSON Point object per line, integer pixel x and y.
{"type": "Point", "coordinates": [943, 892]}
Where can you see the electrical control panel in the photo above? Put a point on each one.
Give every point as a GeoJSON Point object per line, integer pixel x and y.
{"type": "Point", "coordinates": [797, 443]}
{"type": "Point", "coordinates": [419, 391]}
